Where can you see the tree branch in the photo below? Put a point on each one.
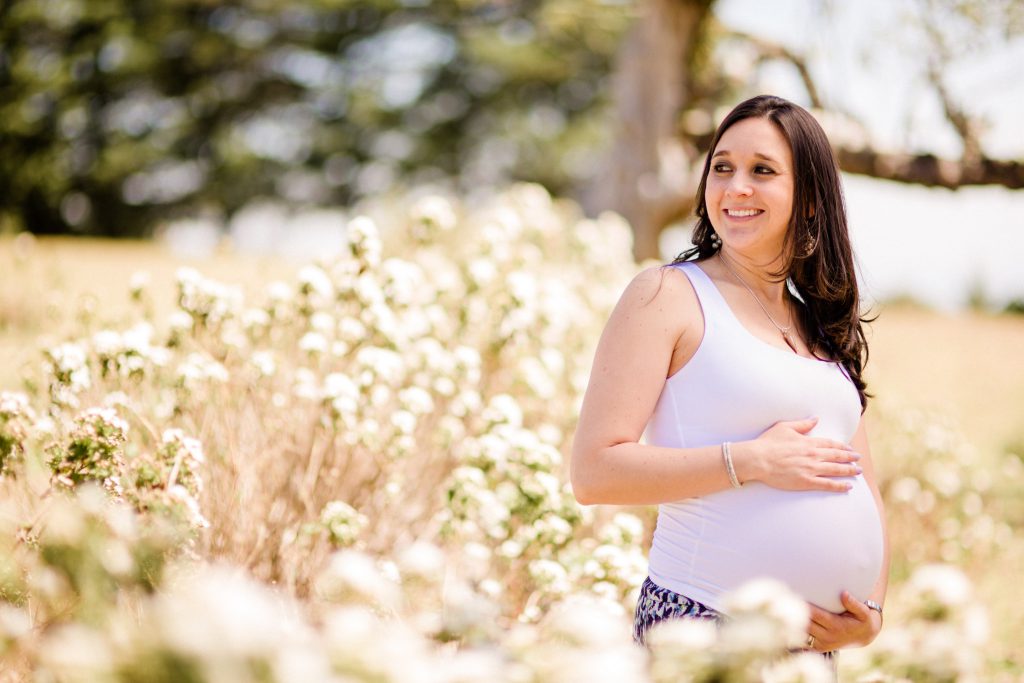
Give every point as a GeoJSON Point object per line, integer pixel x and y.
{"type": "Point", "coordinates": [931, 171]}
{"type": "Point", "coordinates": [974, 168]}
{"type": "Point", "coordinates": [768, 51]}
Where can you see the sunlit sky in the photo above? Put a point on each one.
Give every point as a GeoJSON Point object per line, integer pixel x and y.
{"type": "Point", "coordinates": [933, 244]}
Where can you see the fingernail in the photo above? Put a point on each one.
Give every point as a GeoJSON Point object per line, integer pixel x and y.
{"type": "Point", "coordinates": [855, 456]}
{"type": "Point", "coordinates": [859, 470]}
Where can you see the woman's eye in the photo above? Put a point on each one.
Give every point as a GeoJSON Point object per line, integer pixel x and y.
{"type": "Point", "coordinates": [721, 168]}
{"type": "Point", "coordinates": [763, 170]}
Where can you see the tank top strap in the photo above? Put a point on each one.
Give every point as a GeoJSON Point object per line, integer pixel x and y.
{"type": "Point", "coordinates": [711, 301]}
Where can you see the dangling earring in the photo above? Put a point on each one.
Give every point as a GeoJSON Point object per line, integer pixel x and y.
{"type": "Point", "coordinates": [716, 241]}
{"type": "Point", "coordinates": [810, 243]}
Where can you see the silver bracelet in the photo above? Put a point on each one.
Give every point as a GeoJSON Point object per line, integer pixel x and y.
{"type": "Point", "coordinates": [727, 456]}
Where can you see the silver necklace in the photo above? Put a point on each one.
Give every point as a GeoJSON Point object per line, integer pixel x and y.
{"type": "Point", "coordinates": [784, 331]}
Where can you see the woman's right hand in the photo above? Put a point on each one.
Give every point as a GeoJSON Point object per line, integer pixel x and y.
{"type": "Point", "coordinates": [785, 457]}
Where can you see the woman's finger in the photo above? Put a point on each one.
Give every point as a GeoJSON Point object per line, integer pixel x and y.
{"type": "Point", "coordinates": [817, 614]}
{"type": "Point", "coordinates": [827, 483]}
{"type": "Point", "coordinates": [833, 444]}
{"type": "Point", "coordinates": [839, 470]}
{"type": "Point", "coordinates": [836, 455]}
{"type": "Point", "coordinates": [855, 606]}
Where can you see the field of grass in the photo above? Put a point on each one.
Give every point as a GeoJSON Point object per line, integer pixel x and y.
{"type": "Point", "coordinates": [48, 286]}
{"type": "Point", "coordinates": [965, 371]}
{"type": "Point", "coordinates": [967, 365]}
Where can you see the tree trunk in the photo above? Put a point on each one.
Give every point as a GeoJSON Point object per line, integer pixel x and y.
{"type": "Point", "coordinates": [646, 175]}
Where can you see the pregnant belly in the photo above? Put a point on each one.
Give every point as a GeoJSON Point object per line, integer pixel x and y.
{"type": "Point", "coordinates": [818, 543]}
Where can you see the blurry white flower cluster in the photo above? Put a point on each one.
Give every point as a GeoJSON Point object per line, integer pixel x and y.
{"type": "Point", "coordinates": [207, 301]}
{"type": "Point", "coordinates": [16, 422]}
{"type": "Point", "coordinates": [934, 486]}
{"type": "Point", "coordinates": [343, 522]}
{"type": "Point", "coordinates": [67, 368]}
{"type": "Point", "coordinates": [937, 631]}
{"type": "Point", "coordinates": [759, 641]}
{"type": "Point", "coordinates": [129, 353]}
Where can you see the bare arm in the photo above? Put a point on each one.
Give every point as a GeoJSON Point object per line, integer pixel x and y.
{"type": "Point", "coordinates": [657, 314]}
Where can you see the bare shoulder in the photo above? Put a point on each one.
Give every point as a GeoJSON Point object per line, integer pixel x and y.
{"type": "Point", "coordinates": [660, 285]}
{"type": "Point", "coordinates": [638, 348]}
{"type": "Point", "coordinates": [659, 311]}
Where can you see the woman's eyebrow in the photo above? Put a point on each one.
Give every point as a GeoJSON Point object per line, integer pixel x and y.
{"type": "Point", "coordinates": [725, 152]}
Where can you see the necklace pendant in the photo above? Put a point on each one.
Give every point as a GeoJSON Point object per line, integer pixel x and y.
{"type": "Point", "coordinates": [789, 342]}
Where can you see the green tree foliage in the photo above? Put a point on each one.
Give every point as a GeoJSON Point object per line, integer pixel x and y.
{"type": "Point", "coordinates": [115, 114]}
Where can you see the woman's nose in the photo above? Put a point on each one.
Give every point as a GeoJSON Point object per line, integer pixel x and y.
{"type": "Point", "coordinates": [739, 186]}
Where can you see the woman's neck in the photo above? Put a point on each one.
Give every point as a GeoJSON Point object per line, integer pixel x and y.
{"type": "Point", "coordinates": [757, 276]}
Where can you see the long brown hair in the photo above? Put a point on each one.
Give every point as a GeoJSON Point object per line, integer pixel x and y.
{"type": "Point", "coordinates": [817, 254]}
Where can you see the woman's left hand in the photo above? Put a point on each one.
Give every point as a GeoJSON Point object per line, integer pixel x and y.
{"type": "Point", "coordinates": [857, 626]}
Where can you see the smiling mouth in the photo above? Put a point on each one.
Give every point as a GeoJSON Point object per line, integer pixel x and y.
{"type": "Point", "coordinates": [743, 213]}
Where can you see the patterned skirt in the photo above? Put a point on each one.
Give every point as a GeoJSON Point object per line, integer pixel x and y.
{"type": "Point", "coordinates": [656, 604]}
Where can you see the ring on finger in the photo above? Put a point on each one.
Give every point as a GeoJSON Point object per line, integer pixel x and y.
{"type": "Point", "coordinates": [810, 642]}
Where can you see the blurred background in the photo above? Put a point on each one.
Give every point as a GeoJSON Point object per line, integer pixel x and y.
{"type": "Point", "coordinates": [195, 121]}
{"type": "Point", "coordinates": [242, 137]}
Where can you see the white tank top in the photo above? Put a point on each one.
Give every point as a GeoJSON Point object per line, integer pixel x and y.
{"type": "Point", "coordinates": [734, 387]}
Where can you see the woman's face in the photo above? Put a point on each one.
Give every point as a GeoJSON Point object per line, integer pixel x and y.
{"type": "Point", "coordinates": [749, 190]}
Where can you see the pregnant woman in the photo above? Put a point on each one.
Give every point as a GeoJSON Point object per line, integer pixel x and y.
{"type": "Point", "coordinates": [742, 362]}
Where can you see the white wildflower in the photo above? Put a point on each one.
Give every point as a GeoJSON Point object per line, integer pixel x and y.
{"type": "Point", "coordinates": [322, 322]}
{"type": "Point", "coordinates": [938, 591]}
{"type": "Point", "coordinates": [195, 515]}
{"type": "Point", "coordinates": [503, 408]}
{"type": "Point", "coordinates": [352, 330]}
{"type": "Point", "coordinates": [313, 282]}
{"type": "Point", "coordinates": [585, 621]}
{"type": "Point", "coordinates": [313, 342]}
{"type": "Point", "coordinates": [15, 405]}
{"type": "Point", "coordinates": [404, 421]}
{"type": "Point", "coordinates": [255, 320]}
{"type": "Point", "coordinates": [354, 578]}
{"type": "Point", "coordinates": [364, 240]}
{"type": "Point", "coordinates": [307, 385]}
{"type": "Point", "coordinates": [179, 321]}
{"type": "Point", "coordinates": [382, 363]}
{"type": "Point", "coordinates": [68, 366]}
{"type": "Point", "coordinates": [341, 392]}
{"type": "Point", "coordinates": [191, 448]}
{"type": "Point", "coordinates": [550, 576]}
{"type": "Point", "coordinates": [264, 362]}
{"type": "Point", "coordinates": [770, 608]}
{"type": "Point", "coordinates": [343, 522]}
{"type": "Point", "coordinates": [434, 211]}
{"type": "Point", "coordinates": [241, 618]}
{"type": "Point", "coordinates": [138, 283]}
{"type": "Point", "coordinates": [197, 369]}
{"type": "Point", "coordinates": [805, 667]}
{"type": "Point", "coordinates": [422, 561]}
{"type": "Point", "coordinates": [482, 271]}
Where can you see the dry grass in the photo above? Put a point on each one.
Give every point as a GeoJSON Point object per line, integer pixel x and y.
{"type": "Point", "coordinates": [47, 286]}
{"type": "Point", "coordinates": [967, 365]}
